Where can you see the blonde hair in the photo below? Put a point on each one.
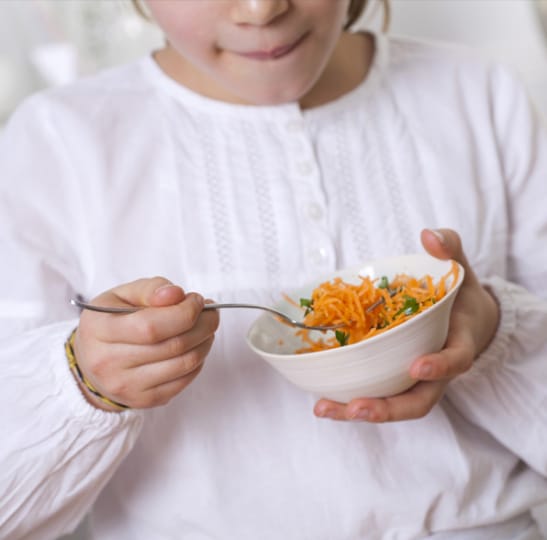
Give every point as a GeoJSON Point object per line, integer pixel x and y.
{"type": "Point", "coordinates": [355, 10]}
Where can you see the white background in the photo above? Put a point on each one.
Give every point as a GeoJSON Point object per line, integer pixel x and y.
{"type": "Point", "coordinates": [46, 42]}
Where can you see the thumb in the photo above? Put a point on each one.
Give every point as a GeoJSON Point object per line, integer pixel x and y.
{"type": "Point", "coordinates": [446, 244]}
{"type": "Point", "coordinates": [442, 243]}
{"type": "Point", "coordinates": [153, 292]}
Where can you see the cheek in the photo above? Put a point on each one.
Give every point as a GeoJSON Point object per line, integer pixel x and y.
{"type": "Point", "coordinates": [335, 18]}
{"type": "Point", "coordinates": [189, 40]}
{"type": "Point", "coordinates": [184, 23]}
{"type": "Point", "coordinates": [332, 11]}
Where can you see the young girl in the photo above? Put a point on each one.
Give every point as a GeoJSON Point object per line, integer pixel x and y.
{"type": "Point", "coordinates": [263, 146]}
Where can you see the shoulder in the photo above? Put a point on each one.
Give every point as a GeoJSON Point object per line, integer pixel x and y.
{"type": "Point", "coordinates": [125, 80]}
{"type": "Point", "coordinates": [447, 64]}
{"type": "Point", "coordinates": [406, 54]}
{"type": "Point", "coordinates": [446, 74]}
{"type": "Point", "coordinates": [98, 97]}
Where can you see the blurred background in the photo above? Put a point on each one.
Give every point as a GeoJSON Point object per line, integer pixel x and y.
{"type": "Point", "coordinates": [51, 42]}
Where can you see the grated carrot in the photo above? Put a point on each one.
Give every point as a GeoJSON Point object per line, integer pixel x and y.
{"type": "Point", "coordinates": [338, 302]}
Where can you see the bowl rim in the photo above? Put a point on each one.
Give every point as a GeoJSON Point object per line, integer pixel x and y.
{"type": "Point", "coordinates": [373, 339]}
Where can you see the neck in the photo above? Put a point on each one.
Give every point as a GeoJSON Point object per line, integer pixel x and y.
{"type": "Point", "coordinates": [347, 68]}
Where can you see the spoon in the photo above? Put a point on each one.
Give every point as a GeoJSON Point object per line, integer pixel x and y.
{"type": "Point", "coordinates": [84, 305]}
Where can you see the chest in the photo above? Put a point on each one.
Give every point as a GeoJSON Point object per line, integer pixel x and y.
{"type": "Point", "coordinates": [246, 206]}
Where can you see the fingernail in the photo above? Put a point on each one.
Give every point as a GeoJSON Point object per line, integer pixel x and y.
{"type": "Point", "coordinates": [425, 370]}
{"type": "Point", "coordinates": [360, 414]}
{"type": "Point", "coordinates": [165, 286]}
{"type": "Point", "coordinates": [439, 235]}
{"type": "Point", "coordinates": [325, 412]}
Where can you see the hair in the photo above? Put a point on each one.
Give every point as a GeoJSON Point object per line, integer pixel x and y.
{"type": "Point", "coordinates": [140, 9]}
{"type": "Point", "coordinates": [356, 9]}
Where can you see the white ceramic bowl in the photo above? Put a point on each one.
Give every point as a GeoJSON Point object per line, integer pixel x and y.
{"type": "Point", "coordinates": [375, 367]}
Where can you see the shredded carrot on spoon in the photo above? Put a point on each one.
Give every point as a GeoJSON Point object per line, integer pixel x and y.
{"type": "Point", "coordinates": [370, 307]}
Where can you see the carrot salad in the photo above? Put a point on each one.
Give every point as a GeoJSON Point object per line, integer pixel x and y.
{"type": "Point", "coordinates": [370, 307]}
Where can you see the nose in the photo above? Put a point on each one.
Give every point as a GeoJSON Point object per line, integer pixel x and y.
{"type": "Point", "coordinates": [258, 12]}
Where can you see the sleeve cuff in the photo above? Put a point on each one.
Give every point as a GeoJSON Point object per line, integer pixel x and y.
{"type": "Point", "coordinates": [505, 388]}
{"type": "Point", "coordinates": [499, 347]}
{"type": "Point", "coordinates": [69, 391]}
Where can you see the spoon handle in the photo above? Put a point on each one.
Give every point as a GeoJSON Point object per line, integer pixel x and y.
{"type": "Point", "coordinates": [102, 309]}
{"type": "Point", "coordinates": [132, 309]}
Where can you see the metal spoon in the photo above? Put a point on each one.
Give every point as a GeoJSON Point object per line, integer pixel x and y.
{"type": "Point", "coordinates": [84, 305]}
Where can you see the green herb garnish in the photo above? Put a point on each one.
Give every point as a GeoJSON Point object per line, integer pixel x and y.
{"type": "Point", "coordinates": [410, 306]}
{"type": "Point", "coordinates": [308, 304]}
{"type": "Point", "coordinates": [341, 337]}
{"type": "Point", "coordinates": [384, 283]}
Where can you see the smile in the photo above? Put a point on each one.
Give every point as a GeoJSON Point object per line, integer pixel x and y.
{"type": "Point", "coordinates": [275, 53]}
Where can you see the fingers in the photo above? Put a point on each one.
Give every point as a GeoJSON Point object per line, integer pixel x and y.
{"type": "Point", "coordinates": [152, 325]}
{"type": "Point", "coordinates": [446, 244]}
{"type": "Point", "coordinates": [165, 371]}
{"type": "Point", "coordinates": [131, 355]}
{"type": "Point", "coordinates": [433, 373]}
{"type": "Point", "coordinates": [144, 358]}
{"type": "Point", "coordinates": [148, 385]}
{"type": "Point", "coordinates": [412, 404]}
{"type": "Point", "coordinates": [155, 292]}
{"type": "Point", "coordinates": [456, 357]}
{"type": "Point", "coordinates": [130, 374]}
{"type": "Point", "coordinates": [161, 395]}
{"type": "Point", "coordinates": [442, 243]}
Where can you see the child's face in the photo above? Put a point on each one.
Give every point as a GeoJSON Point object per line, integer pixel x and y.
{"type": "Point", "coordinates": [250, 51]}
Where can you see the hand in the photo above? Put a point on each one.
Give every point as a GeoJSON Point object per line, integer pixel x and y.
{"type": "Point", "coordinates": [143, 359]}
{"type": "Point", "coordinates": [473, 323]}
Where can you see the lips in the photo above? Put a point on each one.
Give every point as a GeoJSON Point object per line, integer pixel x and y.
{"type": "Point", "coordinates": [275, 53]}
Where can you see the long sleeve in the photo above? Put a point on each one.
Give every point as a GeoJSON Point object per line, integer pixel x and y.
{"type": "Point", "coordinates": [56, 450]}
{"type": "Point", "coordinates": [506, 390]}
{"type": "Point", "coordinates": [505, 393]}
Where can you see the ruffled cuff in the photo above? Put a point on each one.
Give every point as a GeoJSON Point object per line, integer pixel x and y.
{"type": "Point", "coordinates": [60, 449]}
{"type": "Point", "coordinates": [499, 348]}
{"type": "Point", "coordinates": [36, 373]}
{"type": "Point", "coordinates": [505, 389]}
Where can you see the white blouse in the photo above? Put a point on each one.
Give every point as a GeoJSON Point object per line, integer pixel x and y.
{"type": "Point", "coordinates": [127, 175]}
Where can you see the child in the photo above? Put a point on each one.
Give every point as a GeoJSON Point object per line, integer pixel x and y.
{"type": "Point", "coordinates": [261, 147]}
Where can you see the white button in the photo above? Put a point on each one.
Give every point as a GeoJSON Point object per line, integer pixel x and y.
{"type": "Point", "coordinates": [314, 211]}
{"type": "Point", "coordinates": [295, 126]}
{"type": "Point", "coordinates": [305, 168]}
{"type": "Point", "coordinates": [318, 256]}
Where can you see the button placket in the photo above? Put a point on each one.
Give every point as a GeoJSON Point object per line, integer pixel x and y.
{"type": "Point", "coordinates": [318, 249]}
{"type": "Point", "coordinates": [314, 211]}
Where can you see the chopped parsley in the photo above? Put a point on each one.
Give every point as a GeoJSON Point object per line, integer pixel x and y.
{"type": "Point", "coordinates": [384, 283]}
{"type": "Point", "coordinates": [308, 304]}
{"type": "Point", "coordinates": [410, 306]}
{"type": "Point", "coordinates": [341, 337]}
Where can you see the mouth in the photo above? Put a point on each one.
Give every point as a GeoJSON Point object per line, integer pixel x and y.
{"type": "Point", "coordinates": [275, 53]}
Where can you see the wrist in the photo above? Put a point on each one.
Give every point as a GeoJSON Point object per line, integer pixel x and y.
{"type": "Point", "coordinates": [91, 398]}
{"type": "Point", "coordinates": [90, 393]}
